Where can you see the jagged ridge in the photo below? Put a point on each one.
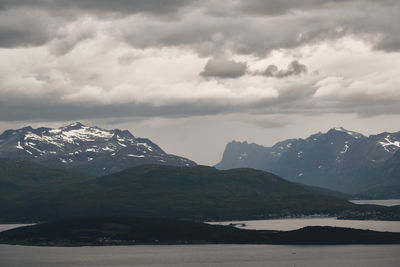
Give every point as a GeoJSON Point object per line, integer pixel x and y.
{"type": "Point", "coordinates": [90, 149]}
{"type": "Point", "coordinates": [338, 159]}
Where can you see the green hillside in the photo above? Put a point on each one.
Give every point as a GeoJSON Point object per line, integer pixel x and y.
{"type": "Point", "coordinates": [21, 182]}
{"type": "Point", "coordinates": [34, 193]}
{"type": "Point", "coordinates": [201, 193]}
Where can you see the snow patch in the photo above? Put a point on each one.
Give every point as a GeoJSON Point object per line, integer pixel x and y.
{"type": "Point", "coordinates": [55, 131]}
{"type": "Point", "coordinates": [394, 145]}
{"type": "Point", "coordinates": [243, 156]}
{"type": "Point", "coordinates": [136, 156]}
{"type": "Point", "coordinates": [354, 134]}
{"type": "Point", "coordinates": [346, 147]}
{"type": "Point", "coordinates": [145, 145]}
{"type": "Point", "coordinates": [19, 145]}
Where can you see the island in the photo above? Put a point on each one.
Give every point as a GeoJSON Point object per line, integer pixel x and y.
{"type": "Point", "coordinates": [100, 231]}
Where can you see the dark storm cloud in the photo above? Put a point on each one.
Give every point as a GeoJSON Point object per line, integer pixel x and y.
{"type": "Point", "coordinates": [25, 27]}
{"type": "Point", "coordinates": [294, 68]}
{"type": "Point", "coordinates": [209, 27]}
{"type": "Point", "coordinates": [33, 23]}
{"type": "Point", "coordinates": [276, 7]}
{"type": "Point", "coordinates": [223, 68]}
{"type": "Point", "coordinates": [37, 110]}
{"type": "Point", "coordinates": [244, 33]}
{"type": "Point", "coordinates": [104, 6]}
{"type": "Point", "coordinates": [279, 7]}
{"type": "Point", "coordinates": [20, 37]}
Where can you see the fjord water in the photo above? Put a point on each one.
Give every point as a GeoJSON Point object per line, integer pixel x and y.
{"type": "Point", "coordinates": [203, 255]}
{"type": "Point", "coordinates": [292, 224]}
{"type": "Point", "coordinates": [381, 202]}
{"type": "Point", "coordinates": [5, 227]}
{"type": "Point", "coordinates": [218, 255]}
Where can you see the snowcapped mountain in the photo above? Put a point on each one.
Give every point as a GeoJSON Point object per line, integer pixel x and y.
{"type": "Point", "coordinates": [338, 159]}
{"type": "Point", "coordinates": [90, 149]}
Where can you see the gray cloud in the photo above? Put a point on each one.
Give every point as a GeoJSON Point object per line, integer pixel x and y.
{"type": "Point", "coordinates": [127, 59]}
{"type": "Point", "coordinates": [294, 68]}
{"type": "Point", "coordinates": [223, 68]}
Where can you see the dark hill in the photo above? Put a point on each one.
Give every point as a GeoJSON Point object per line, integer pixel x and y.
{"type": "Point", "coordinates": [200, 193]}
{"type": "Point", "coordinates": [35, 193]}
{"type": "Point", "coordinates": [21, 182]}
{"type": "Point", "coordinates": [22, 174]}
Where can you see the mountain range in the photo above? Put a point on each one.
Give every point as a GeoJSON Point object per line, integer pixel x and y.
{"type": "Point", "coordinates": [93, 150]}
{"type": "Point", "coordinates": [339, 159]}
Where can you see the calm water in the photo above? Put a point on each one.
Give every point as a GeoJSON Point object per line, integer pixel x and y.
{"type": "Point", "coordinates": [217, 255]}
{"type": "Point", "coordinates": [292, 224]}
{"type": "Point", "coordinates": [4, 227]}
{"type": "Point", "coordinates": [382, 202]}
{"type": "Point", "coordinates": [203, 255]}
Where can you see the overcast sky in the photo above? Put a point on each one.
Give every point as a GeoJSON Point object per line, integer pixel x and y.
{"type": "Point", "coordinates": [194, 75]}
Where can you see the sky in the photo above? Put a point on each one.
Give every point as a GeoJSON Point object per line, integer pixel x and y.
{"type": "Point", "coordinates": [193, 75]}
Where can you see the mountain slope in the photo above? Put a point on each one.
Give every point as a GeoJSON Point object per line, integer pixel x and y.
{"type": "Point", "coordinates": [21, 182]}
{"type": "Point", "coordinates": [339, 159]}
{"type": "Point", "coordinates": [201, 193]}
{"type": "Point", "coordinates": [26, 174]}
{"type": "Point", "coordinates": [90, 149]}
